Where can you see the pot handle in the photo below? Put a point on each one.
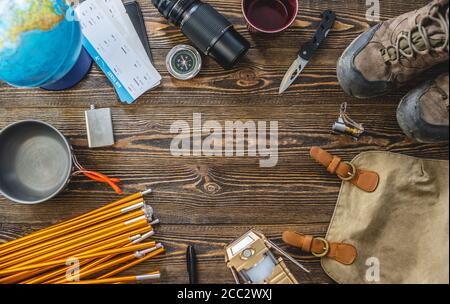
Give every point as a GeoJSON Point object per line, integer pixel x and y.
{"type": "Point", "coordinates": [96, 176]}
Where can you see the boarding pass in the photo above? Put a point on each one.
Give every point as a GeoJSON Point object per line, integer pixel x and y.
{"type": "Point", "coordinates": [114, 45]}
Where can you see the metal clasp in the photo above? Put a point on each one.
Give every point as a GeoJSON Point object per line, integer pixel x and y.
{"type": "Point", "coordinates": [351, 175]}
{"type": "Point", "coordinates": [326, 248]}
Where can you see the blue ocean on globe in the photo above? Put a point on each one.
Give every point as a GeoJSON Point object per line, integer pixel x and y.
{"type": "Point", "coordinates": [39, 44]}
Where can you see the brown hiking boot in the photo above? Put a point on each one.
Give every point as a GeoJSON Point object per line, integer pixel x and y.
{"type": "Point", "coordinates": [395, 51]}
{"type": "Point", "coordinates": [423, 113]}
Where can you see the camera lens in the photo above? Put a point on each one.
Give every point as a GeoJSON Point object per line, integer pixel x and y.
{"type": "Point", "coordinates": [208, 30]}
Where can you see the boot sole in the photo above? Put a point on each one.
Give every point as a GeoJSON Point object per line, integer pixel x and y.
{"type": "Point", "coordinates": [409, 119]}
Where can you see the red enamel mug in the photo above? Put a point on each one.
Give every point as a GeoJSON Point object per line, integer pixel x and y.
{"type": "Point", "coordinates": [269, 16]}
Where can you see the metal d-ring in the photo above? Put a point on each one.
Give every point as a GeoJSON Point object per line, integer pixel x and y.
{"type": "Point", "coordinates": [326, 248]}
{"type": "Point", "coordinates": [352, 174]}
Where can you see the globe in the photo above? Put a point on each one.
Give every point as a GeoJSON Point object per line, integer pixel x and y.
{"type": "Point", "coordinates": [40, 44]}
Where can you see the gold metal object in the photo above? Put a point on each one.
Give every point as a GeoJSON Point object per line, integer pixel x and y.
{"type": "Point", "coordinates": [351, 175]}
{"type": "Point", "coordinates": [252, 261]}
{"type": "Point", "coordinates": [347, 126]}
{"type": "Point", "coordinates": [326, 248]}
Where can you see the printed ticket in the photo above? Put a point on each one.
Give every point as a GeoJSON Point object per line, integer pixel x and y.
{"type": "Point", "coordinates": [119, 56]}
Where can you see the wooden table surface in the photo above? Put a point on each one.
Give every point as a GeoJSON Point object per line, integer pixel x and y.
{"type": "Point", "coordinates": [208, 202]}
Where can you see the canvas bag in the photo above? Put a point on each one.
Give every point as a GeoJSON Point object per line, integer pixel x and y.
{"type": "Point", "coordinates": [400, 230]}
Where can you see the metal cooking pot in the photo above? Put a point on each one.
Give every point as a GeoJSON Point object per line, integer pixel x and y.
{"type": "Point", "coordinates": [35, 162]}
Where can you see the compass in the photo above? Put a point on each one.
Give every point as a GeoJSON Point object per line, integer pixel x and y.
{"type": "Point", "coordinates": [184, 62]}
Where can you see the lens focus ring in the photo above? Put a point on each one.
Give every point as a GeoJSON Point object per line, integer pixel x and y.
{"type": "Point", "coordinates": [204, 26]}
{"type": "Point", "coordinates": [179, 8]}
{"type": "Point", "coordinates": [164, 6]}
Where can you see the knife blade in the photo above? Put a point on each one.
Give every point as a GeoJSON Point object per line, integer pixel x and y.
{"type": "Point", "coordinates": [307, 51]}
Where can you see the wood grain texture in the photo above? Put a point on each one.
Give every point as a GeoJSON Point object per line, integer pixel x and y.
{"type": "Point", "coordinates": [204, 201]}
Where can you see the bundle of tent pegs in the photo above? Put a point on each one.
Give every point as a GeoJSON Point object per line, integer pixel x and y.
{"type": "Point", "coordinates": [89, 249]}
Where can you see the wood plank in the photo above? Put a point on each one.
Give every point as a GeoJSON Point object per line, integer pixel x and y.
{"type": "Point", "coordinates": [209, 248]}
{"type": "Point", "coordinates": [209, 201]}
{"type": "Point", "coordinates": [351, 21]}
{"type": "Point", "coordinates": [258, 74]}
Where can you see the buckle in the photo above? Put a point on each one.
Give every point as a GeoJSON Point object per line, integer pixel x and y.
{"type": "Point", "coordinates": [352, 174]}
{"type": "Point", "coordinates": [326, 248]}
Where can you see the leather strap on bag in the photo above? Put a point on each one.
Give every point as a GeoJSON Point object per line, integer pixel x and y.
{"type": "Point", "coordinates": [319, 247]}
{"type": "Point", "coordinates": [363, 179]}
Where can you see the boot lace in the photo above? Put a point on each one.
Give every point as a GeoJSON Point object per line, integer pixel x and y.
{"type": "Point", "coordinates": [407, 42]}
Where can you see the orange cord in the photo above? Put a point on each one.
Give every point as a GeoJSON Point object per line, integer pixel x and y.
{"type": "Point", "coordinates": [98, 177]}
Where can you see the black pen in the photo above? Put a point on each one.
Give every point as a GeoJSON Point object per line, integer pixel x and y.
{"type": "Point", "coordinates": [191, 259]}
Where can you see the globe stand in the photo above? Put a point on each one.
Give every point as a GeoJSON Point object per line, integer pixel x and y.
{"type": "Point", "coordinates": [75, 75]}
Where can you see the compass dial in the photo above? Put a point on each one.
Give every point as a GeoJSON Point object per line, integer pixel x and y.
{"type": "Point", "coordinates": [183, 62]}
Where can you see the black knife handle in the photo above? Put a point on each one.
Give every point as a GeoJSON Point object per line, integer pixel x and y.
{"type": "Point", "coordinates": [328, 18]}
